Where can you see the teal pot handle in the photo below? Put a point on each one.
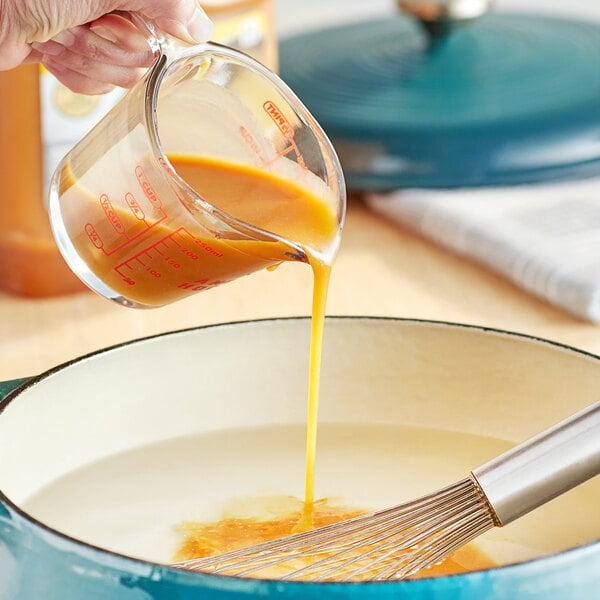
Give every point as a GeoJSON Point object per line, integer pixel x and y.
{"type": "Point", "coordinates": [12, 541]}
{"type": "Point", "coordinates": [10, 536]}
{"type": "Point", "coordinates": [6, 387]}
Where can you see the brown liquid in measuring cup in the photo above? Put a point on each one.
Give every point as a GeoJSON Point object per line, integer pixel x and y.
{"type": "Point", "coordinates": [153, 258]}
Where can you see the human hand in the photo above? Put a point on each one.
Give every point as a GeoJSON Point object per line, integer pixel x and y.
{"type": "Point", "coordinates": [85, 45]}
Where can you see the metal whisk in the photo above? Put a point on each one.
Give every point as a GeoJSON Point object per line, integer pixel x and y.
{"type": "Point", "coordinates": [397, 542]}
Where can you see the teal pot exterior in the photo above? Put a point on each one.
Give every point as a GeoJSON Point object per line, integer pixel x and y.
{"type": "Point", "coordinates": [39, 563]}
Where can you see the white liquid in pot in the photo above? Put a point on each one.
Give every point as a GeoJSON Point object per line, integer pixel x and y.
{"type": "Point", "coordinates": [131, 502]}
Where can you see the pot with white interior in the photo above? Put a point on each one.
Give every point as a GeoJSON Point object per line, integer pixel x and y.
{"type": "Point", "coordinates": [104, 459]}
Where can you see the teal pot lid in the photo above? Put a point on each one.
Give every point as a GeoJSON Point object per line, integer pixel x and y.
{"type": "Point", "coordinates": [509, 99]}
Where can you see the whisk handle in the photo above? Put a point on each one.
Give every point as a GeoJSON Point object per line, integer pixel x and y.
{"type": "Point", "coordinates": [543, 467]}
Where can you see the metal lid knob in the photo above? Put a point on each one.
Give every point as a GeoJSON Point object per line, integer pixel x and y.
{"type": "Point", "coordinates": [440, 17]}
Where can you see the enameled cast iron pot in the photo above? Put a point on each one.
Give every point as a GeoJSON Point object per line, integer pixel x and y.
{"type": "Point", "coordinates": [243, 375]}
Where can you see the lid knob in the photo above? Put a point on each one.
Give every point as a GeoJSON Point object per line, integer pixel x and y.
{"type": "Point", "coordinates": [440, 17]}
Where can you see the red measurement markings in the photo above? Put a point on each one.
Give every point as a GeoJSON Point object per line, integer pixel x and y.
{"type": "Point", "coordinates": [254, 146]}
{"type": "Point", "coordinates": [94, 236]}
{"type": "Point", "coordinates": [111, 215]}
{"type": "Point", "coordinates": [146, 187]}
{"type": "Point", "coordinates": [136, 210]}
{"type": "Point", "coordinates": [141, 262]}
{"type": "Point", "coordinates": [293, 148]}
{"type": "Point", "coordinates": [200, 285]}
{"type": "Point", "coordinates": [286, 129]}
{"type": "Point", "coordinates": [97, 241]}
{"type": "Point", "coordinates": [208, 248]}
{"type": "Point", "coordinates": [167, 253]}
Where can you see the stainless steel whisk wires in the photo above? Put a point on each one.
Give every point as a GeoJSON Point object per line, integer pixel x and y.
{"type": "Point", "coordinates": [397, 542]}
{"type": "Point", "coordinates": [386, 544]}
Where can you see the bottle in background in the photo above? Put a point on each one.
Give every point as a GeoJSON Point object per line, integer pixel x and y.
{"type": "Point", "coordinates": [40, 120]}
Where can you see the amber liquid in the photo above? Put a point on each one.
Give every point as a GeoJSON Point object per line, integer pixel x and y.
{"type": "Point", "coordinates": [275, 205]}
{"type": "Point", "coordinates": [307, 220]}
{"type": "Point", "coordinates": [203, 539]}
{"type": "Point", "coordinates": [279, 206]}
{"type": "Point", "coordinates": [153, 263]}
{"type": "Point", "coordinates": [153, 256]}
{"type": "Point", "coordinates": [297, 215]}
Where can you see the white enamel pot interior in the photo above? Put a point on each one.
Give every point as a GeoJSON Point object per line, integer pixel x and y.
{"type": "Point", "coordinates": [102, 457]}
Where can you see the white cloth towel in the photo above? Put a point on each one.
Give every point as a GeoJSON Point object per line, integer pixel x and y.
{"type": "Point", "coordinates": [545, 238]}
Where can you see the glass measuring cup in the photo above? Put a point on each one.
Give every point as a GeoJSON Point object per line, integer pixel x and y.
{"type": "Point", "coordinates": [137, 232]}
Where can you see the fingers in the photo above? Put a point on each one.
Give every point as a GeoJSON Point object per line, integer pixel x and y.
{"type": "Point", "coordinates": [108, 51]}
{"type": "Point", "coordinates": [96, 81]}
{"type": "Point", "coordinates": [198, 29]}
{"type": "Point", "coordinates": [111, 39]}
{"type": "Point", "coordinates": [25, 21]}
{"type": "Point", "coordinates": [121, 32]}
{"type": "Point", "coordinates": [111, 50]}
{"type": "Point", "coordinates": [75, 81]}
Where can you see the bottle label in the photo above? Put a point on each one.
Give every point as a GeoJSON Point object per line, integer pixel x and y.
{"type": "Point", "coordinates": [66, 117]}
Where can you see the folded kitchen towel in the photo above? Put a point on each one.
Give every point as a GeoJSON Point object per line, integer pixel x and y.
{"type": "Point", "coordinates": [545, 238]}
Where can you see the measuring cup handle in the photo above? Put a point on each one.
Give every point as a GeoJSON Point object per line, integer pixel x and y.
{"type": "Point", "coordinates": [159, 42]}
{"type": "Point", "coordinates": [156, 39]}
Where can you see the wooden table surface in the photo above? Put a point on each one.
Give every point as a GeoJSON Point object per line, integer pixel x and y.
{"type": "Point", "coordinates": [382, 270]}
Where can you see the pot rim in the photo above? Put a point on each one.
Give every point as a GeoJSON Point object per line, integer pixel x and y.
{"type": "Point", "coordinates": [552, 561]}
